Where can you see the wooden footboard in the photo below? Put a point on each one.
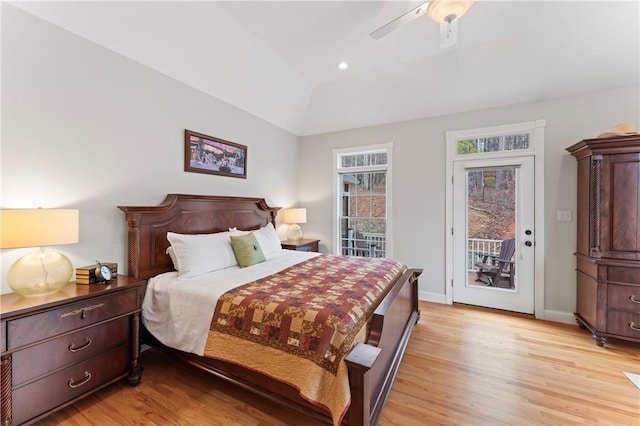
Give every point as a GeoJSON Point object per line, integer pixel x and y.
{"type": "Point", "coordinates": [372, 366]}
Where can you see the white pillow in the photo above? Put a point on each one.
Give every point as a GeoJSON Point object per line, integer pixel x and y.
{"type": "Point", "coordinates": [267, 238]}
{"type": "Point", "coordinates": [201, 253]}
{"type": "Point", "coordinates": [172, 254]}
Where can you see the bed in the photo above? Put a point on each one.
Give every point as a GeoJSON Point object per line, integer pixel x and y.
{"type": "Point", "coordinates": [371, 365]}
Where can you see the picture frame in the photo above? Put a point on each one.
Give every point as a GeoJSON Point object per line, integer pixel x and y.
{"type": "Point", "coordinates": [214, 156]}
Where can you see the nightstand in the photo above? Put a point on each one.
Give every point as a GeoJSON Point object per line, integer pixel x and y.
{"type": "Point", "coordinates": [59, 348]}
{"type": "Point", "coordinates": [303, 245]}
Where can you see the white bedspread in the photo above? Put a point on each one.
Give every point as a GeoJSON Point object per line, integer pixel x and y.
{"type": "Point", "coordinates": [178, 312]}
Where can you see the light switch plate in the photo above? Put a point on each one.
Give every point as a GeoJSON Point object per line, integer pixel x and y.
{"type": "Point", "coordinates": [564, 216]}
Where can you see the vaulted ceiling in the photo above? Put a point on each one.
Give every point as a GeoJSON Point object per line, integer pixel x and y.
{"type": "Point", "coordinates": [277, 60]}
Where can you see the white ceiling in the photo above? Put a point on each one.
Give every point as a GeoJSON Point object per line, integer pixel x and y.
{"type": "Point", "coordinates": [277, 60]}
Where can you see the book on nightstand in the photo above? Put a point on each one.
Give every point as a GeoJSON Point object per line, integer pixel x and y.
{"type": "Point", "coordinates": [87, 274]}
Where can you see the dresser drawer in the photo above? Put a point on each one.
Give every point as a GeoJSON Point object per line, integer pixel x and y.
{"type": "Point", "coordinates": [37, 327]}
{"type": "Point", "coordinates": [40, 396]}
{"type": "Point", "coordinates": [36, 361]}
{"type": "Point", "coordinates": [623, 297]}
{"type": "Point", "coordinates": [623, 324]}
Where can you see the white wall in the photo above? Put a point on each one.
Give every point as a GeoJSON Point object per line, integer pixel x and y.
{"type": "Point", "coordinates": [85, 128]}
{"type": "Point", "coordinates": [419, 181]}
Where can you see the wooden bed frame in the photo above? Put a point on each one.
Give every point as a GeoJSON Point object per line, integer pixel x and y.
{"type": "Point", "coordinates": [372, 365]}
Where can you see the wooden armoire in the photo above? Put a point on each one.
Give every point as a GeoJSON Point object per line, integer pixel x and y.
{"type": "Point", "coordinates": [608, 240]}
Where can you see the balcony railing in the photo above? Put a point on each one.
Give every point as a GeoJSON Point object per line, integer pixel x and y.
{"type": "Point", "coordinates": [478, 245]}
{"type": "Point", "coordinates": [374, 245]}
{"type": "Point", "coordinates": [370, 244]}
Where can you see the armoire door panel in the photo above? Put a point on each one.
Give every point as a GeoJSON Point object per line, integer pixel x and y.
{"type": "Point", "coordinates": [621, 206]}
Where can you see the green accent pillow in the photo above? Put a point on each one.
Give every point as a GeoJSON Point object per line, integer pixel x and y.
{"type": "Point", "coordinates": [247, 249]}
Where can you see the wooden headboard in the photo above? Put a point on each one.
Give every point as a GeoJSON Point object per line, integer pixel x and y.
{"type": "Point", "coordinates": [186, 214]}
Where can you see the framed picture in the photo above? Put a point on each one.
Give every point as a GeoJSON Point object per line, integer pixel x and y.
{"type": "Point", "coordinates": [206, 154]}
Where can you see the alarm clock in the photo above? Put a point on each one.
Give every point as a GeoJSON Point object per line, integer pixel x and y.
{"type": "Point", "coordinates": [103, 273]}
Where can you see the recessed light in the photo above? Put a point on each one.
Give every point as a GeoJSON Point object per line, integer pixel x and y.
{"type": "Point", "coordinates": [343, 65]}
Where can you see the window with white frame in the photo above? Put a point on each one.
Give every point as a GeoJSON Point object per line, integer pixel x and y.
{"type": "Point", "coordinates": [515, 142]}
{"type": "Point", "coordinates": [498, 141]}
{"type": "Point", "coordinates": [363, 200]}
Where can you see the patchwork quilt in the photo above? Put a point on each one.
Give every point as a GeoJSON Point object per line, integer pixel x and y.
{"type": "Point", "coordinates": [311, 314]}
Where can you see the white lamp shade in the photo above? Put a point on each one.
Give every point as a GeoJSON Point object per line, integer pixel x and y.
{"type": "Point", "coordinates": [440, 10]}
{"type": "Point", "coordinates": [294, 216]}
{"type": "Point", "coordinates": [38, 227]}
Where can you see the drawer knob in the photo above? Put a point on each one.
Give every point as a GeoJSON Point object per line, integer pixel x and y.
{"type": "Point", "coordinates": [85, 345]}
{"type": "Point", "coordinates": [632, 325]}
{"type": "Point", "coordinates": [633, 299]}
{"type": "Point", "coordinates": [85, 379]}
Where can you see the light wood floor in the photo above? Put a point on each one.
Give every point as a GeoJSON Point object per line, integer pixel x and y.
{"type": "Point", "coordinates": [463, 366]}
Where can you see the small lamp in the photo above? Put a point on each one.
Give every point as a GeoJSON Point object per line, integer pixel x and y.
{"type": "Point", "coordinates": [42, 271]}
{"type": "Point", "coordinates": [294, 217]}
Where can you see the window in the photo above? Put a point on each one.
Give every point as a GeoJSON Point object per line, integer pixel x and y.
{"type": "Point", "coordinates": [511, 140]}
{"type": "Point", "coordinates": [363, 201]}
{"type": "Point", "coordinates": [493, 144]}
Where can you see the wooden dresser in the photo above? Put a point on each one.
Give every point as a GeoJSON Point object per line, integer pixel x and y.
{"type": "Point", "coordinates": [608, 241]}
{"type": "Point", "coordinates": [59, 348]}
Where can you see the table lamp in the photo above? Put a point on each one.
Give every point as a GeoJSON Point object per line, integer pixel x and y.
{"type": "Point", "coordinates": [43, 271]}
{"type": "Point", "coordinates": [294, 217]}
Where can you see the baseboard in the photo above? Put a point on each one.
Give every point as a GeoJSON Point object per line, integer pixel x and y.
{"type": "Point", "coordinates": [558, 316]}
{"type": "Point", "coordinates": [428, 296]}
{"type": "Point", "coordinates": [547, 314]}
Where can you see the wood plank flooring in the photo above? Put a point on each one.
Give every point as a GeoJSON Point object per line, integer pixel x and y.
{"type": "Point", "coordinates": [463, 366]}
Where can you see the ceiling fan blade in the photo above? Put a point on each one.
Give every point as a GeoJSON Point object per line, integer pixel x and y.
{"type": "Point", "coordinates": [399, 21]}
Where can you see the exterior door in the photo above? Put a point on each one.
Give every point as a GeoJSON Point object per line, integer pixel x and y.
{"type": "Point", "coordinates": [493, 202]}
{"type": "Point", "coordinates": [362, 200]}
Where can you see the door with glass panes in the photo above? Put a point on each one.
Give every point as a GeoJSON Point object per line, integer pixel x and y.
{"type": "Point", "coordinates": [493, 233]}
{"type": "Point", "coordinates": [492, 202]}
{"type": "Point", "coordinates": [362, 216]}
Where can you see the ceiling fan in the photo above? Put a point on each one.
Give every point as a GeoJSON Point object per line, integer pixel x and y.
{"type": "Point", "coordinates": [446, 12]}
